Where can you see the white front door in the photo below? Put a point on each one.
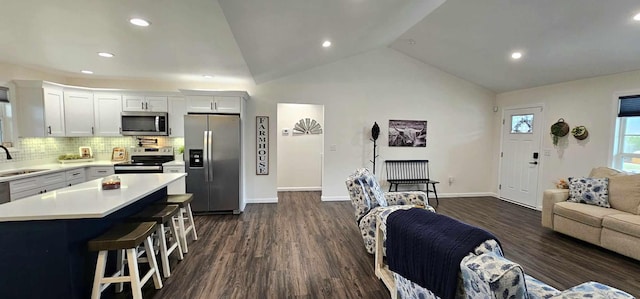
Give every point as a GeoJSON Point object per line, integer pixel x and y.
{"type": "Point", "coordinates": [520, 155]}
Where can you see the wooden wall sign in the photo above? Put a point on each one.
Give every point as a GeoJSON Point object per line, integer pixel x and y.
{"type": "Point", "coordinates": [262, 145]}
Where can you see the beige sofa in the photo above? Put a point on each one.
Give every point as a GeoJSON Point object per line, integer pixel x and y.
{"type": "Point", "coordinates": [616, 228]}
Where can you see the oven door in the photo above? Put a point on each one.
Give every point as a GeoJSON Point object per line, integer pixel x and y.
{"type": "Point", "coordinates": [137, 169]}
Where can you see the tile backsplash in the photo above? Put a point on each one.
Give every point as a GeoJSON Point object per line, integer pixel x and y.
{"type": "Point", "coordinates": [50, 148]}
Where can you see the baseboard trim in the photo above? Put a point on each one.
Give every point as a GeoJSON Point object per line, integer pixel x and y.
{"type": "Point", "coordinates": [335, 198]}
{"type": "Point", "coordinates": [284, 189]}
{"type": "Point", "coordinates": [444, 195]}
{"type": "Point", "coordinates": [262, 200]}
{"type": "Point", "coordinates": [520, 204]}
{"type": "Point", "coordinates": [468, 194]}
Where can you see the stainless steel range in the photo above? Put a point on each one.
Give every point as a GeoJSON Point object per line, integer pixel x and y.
{"type": "Point", "coordinates": [145, 160]}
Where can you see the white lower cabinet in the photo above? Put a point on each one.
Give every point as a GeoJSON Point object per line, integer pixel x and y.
{"type": "Point", "coordinates": [179, 186]}
{"type": "Point", "coordinates": [75, 176]}
{"type": "Point", "coordinates": [98, 172]}
{"type": "Point", "coordinates": [37, 185]}
{"type": "Point", "coordinates": [64, 178]}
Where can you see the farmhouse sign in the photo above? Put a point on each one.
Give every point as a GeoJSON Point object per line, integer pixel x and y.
{"type": "Point", "coordinates": [262, 145]}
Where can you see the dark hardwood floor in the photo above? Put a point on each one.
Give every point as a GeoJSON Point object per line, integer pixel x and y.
{"type": "Point", "coordinates": [556, 259]}
{"type": "Point", "coordinates": [305, 248]}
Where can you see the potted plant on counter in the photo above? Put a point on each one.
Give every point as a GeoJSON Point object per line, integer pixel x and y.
{"type": "Point", "coordinates": [180, 153]}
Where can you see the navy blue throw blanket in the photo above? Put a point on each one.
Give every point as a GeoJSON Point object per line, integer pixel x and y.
{"type": "Point", "coordinates": [427, 248]}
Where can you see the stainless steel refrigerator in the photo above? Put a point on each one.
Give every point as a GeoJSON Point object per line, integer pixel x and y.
{"type": "Point", "coordinates": [212, 161]}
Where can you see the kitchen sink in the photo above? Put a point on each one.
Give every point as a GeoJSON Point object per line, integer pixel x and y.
{"type": "Point", "coordinates": [19, 172]}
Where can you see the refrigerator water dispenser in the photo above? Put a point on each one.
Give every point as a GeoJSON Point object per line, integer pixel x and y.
{"type": "Point", "coordinates": [195, 158]}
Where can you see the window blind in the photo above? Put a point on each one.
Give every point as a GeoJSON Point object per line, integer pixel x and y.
{"type": "Point", "coordinates": [3, 94]}
{"type": "Point", "coordinates": [629, 106]}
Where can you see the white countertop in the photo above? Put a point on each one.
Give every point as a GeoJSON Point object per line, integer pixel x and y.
{"type": "Point", "coordinates": [173, 163]}
{"type": "Point", "coordinates": [86, 200]}
{"type": "Point", "coordinates": [50, 168]}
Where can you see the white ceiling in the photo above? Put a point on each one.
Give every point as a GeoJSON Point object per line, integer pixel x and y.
{"type": "Point", "coordinates": [561, 40]}
{"type": "Point", "coordinates": [184, 41]}
{"type": "Point", "coordinates": [260, 40]}
{"type": "Point", "coordinates": [280, 37]}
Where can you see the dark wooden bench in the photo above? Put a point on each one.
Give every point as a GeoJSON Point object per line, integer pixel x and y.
{"type": "Point", "coordinates": [410, 172]}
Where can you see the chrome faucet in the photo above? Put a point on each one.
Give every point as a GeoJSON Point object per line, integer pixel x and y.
{"type": "Point", "coordinates": [6, 150]}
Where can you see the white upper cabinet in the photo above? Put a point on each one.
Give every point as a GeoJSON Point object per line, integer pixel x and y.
{"type": "Point", "coordinates": [214, 104]}
{"type": "Point", "coordinates": [40, 109]}
{"type": "Point", "coordinates": [53, 112]}
{"type": "Point", "coordinates": [202, 104]}
{"type": "Point", "coordinates": [177, 111]}
{"type": "Point", "coordinates": [144, 103]}
{"type": "Point", "coordinates": [78, 109]}
{"type": "Point", "coordinates": [107, 110]}
{"type": "Point", "coordinates": [46, 109]}
{"type": "Point", "coordinates": [132, 103]}
{"type": "Point", "coordinates": [227, 104]}
{"type": "Point", "coordinates": [156, 104]}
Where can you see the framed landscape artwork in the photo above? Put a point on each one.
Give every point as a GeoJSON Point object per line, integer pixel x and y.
{"type": "Point", "coordinates": [408, 133]}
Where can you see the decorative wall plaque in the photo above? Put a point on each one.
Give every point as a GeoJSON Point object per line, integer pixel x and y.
{"type": "Point", "coordinates": [307, 126]}
{"type": "Point", "coordinates": [262, 145]}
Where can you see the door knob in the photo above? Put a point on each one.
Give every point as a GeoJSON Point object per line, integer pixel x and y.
{"type": "Point", "coordinates": [534, 162]}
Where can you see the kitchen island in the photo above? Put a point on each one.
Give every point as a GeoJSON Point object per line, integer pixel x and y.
{"type": "Point", "coordinates": [44, 237]}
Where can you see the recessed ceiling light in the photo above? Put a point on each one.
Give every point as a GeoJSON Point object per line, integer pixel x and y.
{"type": "Point", "coordinates": [139, 22]}
{"type": "Point", "coordinates": [105, 54]}
{"type": "Point", "coordinates": [637, 17]}
{"type": "Point", "coordinates": [207, 76]}
{"type": "Point", "coordinates": [86, 72]}
{"type": "Point", "coordinates": [326, 44]}
{"type": "Point", "coordinates": [516, 55]}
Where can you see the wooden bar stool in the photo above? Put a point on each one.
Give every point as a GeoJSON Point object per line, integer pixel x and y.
{"type": "Point", "coordinates": [125, 236]}
{"type": "Point", "coordinates": [162, 214]}
{"type": "Point", "coordinates": [184, 201]}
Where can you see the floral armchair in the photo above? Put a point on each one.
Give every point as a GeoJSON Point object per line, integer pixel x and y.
{"type": "Point", "coordinates": [486, 273]}
{"type": "Point", "coordinates": [369, 200]}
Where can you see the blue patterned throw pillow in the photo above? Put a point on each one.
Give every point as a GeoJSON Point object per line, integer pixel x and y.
{"type": "Point", "coordinates": [372, 188]}
{"type": "Point", "coordinates": [591, 191]}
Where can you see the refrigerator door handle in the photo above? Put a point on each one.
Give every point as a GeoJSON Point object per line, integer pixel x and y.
{"type": "Point", "coordinates": [211, 155]}
{"type": "Point", "coordinates": [205, 157]}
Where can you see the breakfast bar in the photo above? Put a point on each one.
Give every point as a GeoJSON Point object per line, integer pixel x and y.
{"type": "Point", "coordinates": [44, 237]}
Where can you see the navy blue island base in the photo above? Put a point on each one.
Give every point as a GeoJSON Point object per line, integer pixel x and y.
{"type": "Point", "coordinates": [49, 258]}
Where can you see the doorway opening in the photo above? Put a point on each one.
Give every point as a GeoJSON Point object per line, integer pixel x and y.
{"type": "Point", "coordinates": [300, 131]}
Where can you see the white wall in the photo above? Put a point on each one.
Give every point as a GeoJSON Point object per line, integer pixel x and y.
{"type": "Point", "coordinates": [588, 102]}
{"type": "Point", "coordinates": [377, 86]}
{"type": "Point", "coordinates": [299, 156]}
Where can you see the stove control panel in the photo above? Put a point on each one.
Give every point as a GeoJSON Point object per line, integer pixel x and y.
{"type": "Point", "coordinates": [152, 151]}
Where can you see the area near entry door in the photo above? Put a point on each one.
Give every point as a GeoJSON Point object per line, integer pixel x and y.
{"type": "Point", "coordinates": [520, 156]}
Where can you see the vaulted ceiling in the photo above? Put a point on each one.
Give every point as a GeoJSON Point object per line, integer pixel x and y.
{"type": "Point", "coordinates": [261, 40]}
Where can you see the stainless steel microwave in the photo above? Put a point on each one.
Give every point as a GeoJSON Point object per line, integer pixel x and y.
{"type": "Point", "coordinates": [145, 123]}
